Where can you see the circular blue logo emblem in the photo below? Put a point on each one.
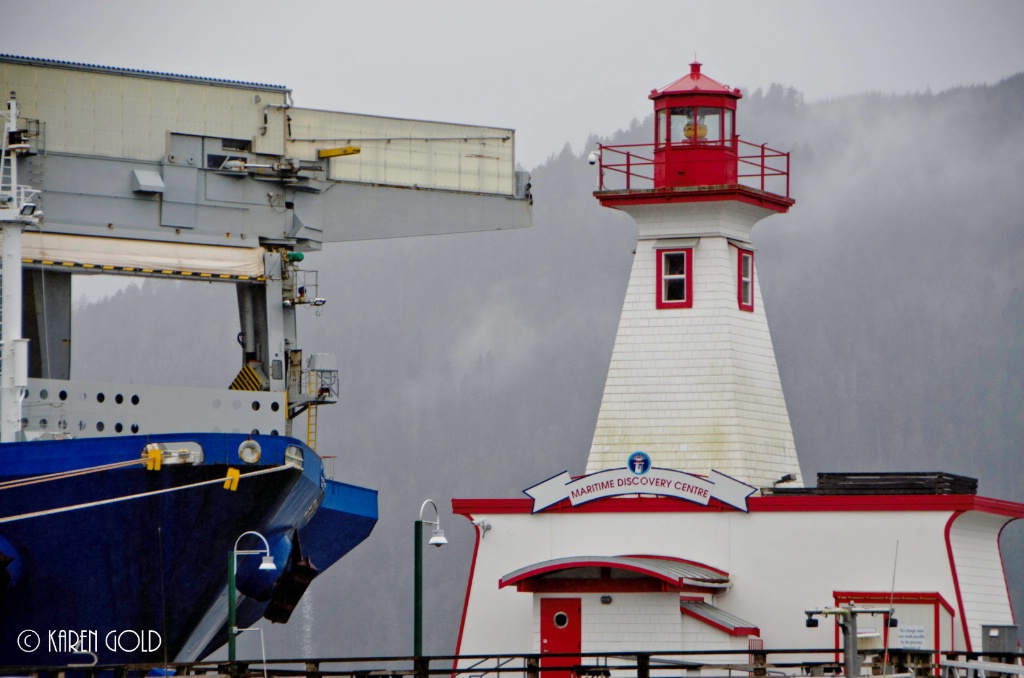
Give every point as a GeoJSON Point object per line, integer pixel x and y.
{"type": "Point", "coordinates": [639, 463]}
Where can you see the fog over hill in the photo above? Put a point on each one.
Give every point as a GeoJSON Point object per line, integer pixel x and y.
{"type": "Point", "coordinates": [472, 365]}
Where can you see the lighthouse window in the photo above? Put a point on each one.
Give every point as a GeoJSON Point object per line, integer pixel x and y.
{"type": "Point", "coordinates": [697, 124]}
{"type": "Point", "coordinates": [682, 124]}
{"type": "Point", "coordinates": [675, 278]}
{"type": "Point", "coordinates": [745, 280]}
{"type": "Point", "coordinates": [709, 120]}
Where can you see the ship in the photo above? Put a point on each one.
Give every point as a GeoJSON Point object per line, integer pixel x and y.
{"type": "Point", "coordinates": [148, 523]}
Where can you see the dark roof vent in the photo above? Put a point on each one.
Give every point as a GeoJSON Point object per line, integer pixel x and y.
{"type": "Point", "coordinates": [886, 483]}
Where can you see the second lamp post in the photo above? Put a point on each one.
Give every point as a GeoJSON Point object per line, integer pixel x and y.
{"type": "Point", "coordinates": [437, 538]}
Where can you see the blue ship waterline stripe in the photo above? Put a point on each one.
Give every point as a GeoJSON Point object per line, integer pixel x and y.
{"type": "Point", "coordinates": [115, 500]}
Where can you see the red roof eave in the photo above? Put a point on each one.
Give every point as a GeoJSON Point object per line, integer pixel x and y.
{"type": "Point", "coordinates": [739, 193]}
{"type": "Point", "coordinates": [767, 504]}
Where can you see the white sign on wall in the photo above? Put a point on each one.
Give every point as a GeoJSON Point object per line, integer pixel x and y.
{"type": "Point", "coordinates": [639, 477]}
{"type": "Point", "coordinates": [911, 638]}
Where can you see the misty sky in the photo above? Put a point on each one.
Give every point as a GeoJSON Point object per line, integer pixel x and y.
{"type": "Point", "coordinates": [554, 70]}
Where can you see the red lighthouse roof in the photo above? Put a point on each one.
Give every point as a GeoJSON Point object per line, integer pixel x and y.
{"type": "Point", "coordinates": [695, 81]}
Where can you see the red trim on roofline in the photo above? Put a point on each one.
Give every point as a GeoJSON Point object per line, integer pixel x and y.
{"type": "Point", "coordinates": [767, 504]}
{"type": "Point", "coordinates": [645, 585]}
{"type": "Point", "coordinates": [907, 597]}
{"type": "Point", "coordinates": [676, 583]}
{"type": "Point", "coordinates": [659, 196]}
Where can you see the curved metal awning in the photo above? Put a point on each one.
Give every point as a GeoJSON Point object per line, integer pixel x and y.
{"type": "Point", "coordinates": [615, 573]}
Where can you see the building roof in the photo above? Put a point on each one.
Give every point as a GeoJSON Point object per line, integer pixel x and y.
{"type": "Point", "coordinates": [718, 618]}
{"type": "Point", "coordinates": [695, 81]}
{"type": "Point", "coordinates": [672, 571]}
{"type": "Point", "coordinates": [55, 63]}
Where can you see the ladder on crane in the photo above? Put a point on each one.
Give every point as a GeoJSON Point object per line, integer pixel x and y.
{"type": "Point", "coordinates": [311, 426]}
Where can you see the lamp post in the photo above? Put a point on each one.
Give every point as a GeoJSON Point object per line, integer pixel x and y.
{"type": "Point", "coordinates": [266, 564]}
{"type": "Point", "coordinates": [437, 538]}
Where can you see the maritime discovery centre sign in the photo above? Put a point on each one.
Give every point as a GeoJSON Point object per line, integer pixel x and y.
{"type": "Point", "coordinates": [639, 477]}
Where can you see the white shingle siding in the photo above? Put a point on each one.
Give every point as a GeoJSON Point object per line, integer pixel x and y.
{"type": "Point", "coordinates": [974, 542]}
{"type": "Point", "coordinates": [696, 388]}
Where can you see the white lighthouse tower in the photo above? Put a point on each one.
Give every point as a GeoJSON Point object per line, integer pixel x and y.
{"type": "Point", "coordinates": [658, 548]}
{"type": "Point", "coordinates": [693, 380]}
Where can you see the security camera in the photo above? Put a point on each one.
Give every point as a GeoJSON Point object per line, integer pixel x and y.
{"type": "Point", "coordinates": [593, 157]}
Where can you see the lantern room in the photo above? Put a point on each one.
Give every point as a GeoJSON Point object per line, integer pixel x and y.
{"type": "Point", "coordinates": [695, 132]}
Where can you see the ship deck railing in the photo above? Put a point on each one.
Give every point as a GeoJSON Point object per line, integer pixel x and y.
{"type": "Point", "coordinates": [759, 663]}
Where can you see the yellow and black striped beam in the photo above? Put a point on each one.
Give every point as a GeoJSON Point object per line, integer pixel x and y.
{"type": "Point", "coordinates": [139, 270]}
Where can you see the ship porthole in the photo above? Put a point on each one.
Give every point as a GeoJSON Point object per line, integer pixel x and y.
{"type": "Point", "coordinates": [100, 397]}
{"type": "Point", "coordinates": [44, 394]}
{"type": "Point", "coordinates": [119, 399]}
{"type": "Point", "coordinates": [118, 427]}
{"type": "Point", "coordinates": [135, 428]}
{"type": "Point", "coordinates": [99, 426]}
{"type": "Point", "coordinates": [561, 620]}
{"type": "Point", "coordinates": [255, 406]}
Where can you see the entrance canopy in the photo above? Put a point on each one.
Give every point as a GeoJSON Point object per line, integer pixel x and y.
{"type": "Point", "coordinates": [623, 574]}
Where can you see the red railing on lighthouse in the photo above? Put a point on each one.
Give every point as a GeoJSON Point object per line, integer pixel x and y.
{"type": "Point", "coordinates": [633, 167]}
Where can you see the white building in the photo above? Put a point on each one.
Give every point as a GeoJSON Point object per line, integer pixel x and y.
{"type": "Point", "coordinates": [688, 531]}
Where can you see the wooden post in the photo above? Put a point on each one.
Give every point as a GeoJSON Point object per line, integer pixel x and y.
{"type": "Point", "coordinates": [759, 660]}
{"type": "Point", "coordinates": [532, 667]}
{"type": "Point", "coordinates": [643, 666]}
{"type": "Point", "coordinates": [421, 666]}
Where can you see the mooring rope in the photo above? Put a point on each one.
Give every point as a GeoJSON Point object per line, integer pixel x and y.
{"type": "Point", "coordinates": [115, 500]}
{"type": "Point", "coordinates": [10, 484]}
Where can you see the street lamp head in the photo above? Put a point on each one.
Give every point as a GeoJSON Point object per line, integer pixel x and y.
{"type": "Point", "coordinates": [437, 538]}
{"type": "Point", "coordinates": [268, 563]}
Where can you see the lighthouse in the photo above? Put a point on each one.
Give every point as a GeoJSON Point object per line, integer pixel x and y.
{"type": "Point", "coordinates": [693, 380]}
{"type": "Point", "coordinates": [691, 530]}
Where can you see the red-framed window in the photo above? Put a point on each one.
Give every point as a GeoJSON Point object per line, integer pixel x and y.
{"type": "Point", "coordinates": [745, 279]}
{"type": "Point", "coordinates": [675, 278]}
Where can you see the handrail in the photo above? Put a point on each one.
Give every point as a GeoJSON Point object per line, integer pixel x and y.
{"type": "Point", "coordinates": [756, 163]}
{"type": "Point", "coordinates": [641, 664]}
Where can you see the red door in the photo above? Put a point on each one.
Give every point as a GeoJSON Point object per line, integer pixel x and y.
{"type": "Point", "coordinates": [560, 633]}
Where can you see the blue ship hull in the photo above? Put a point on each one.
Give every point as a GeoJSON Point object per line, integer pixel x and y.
{"type": "Point", "coordinates": [145, 579]}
